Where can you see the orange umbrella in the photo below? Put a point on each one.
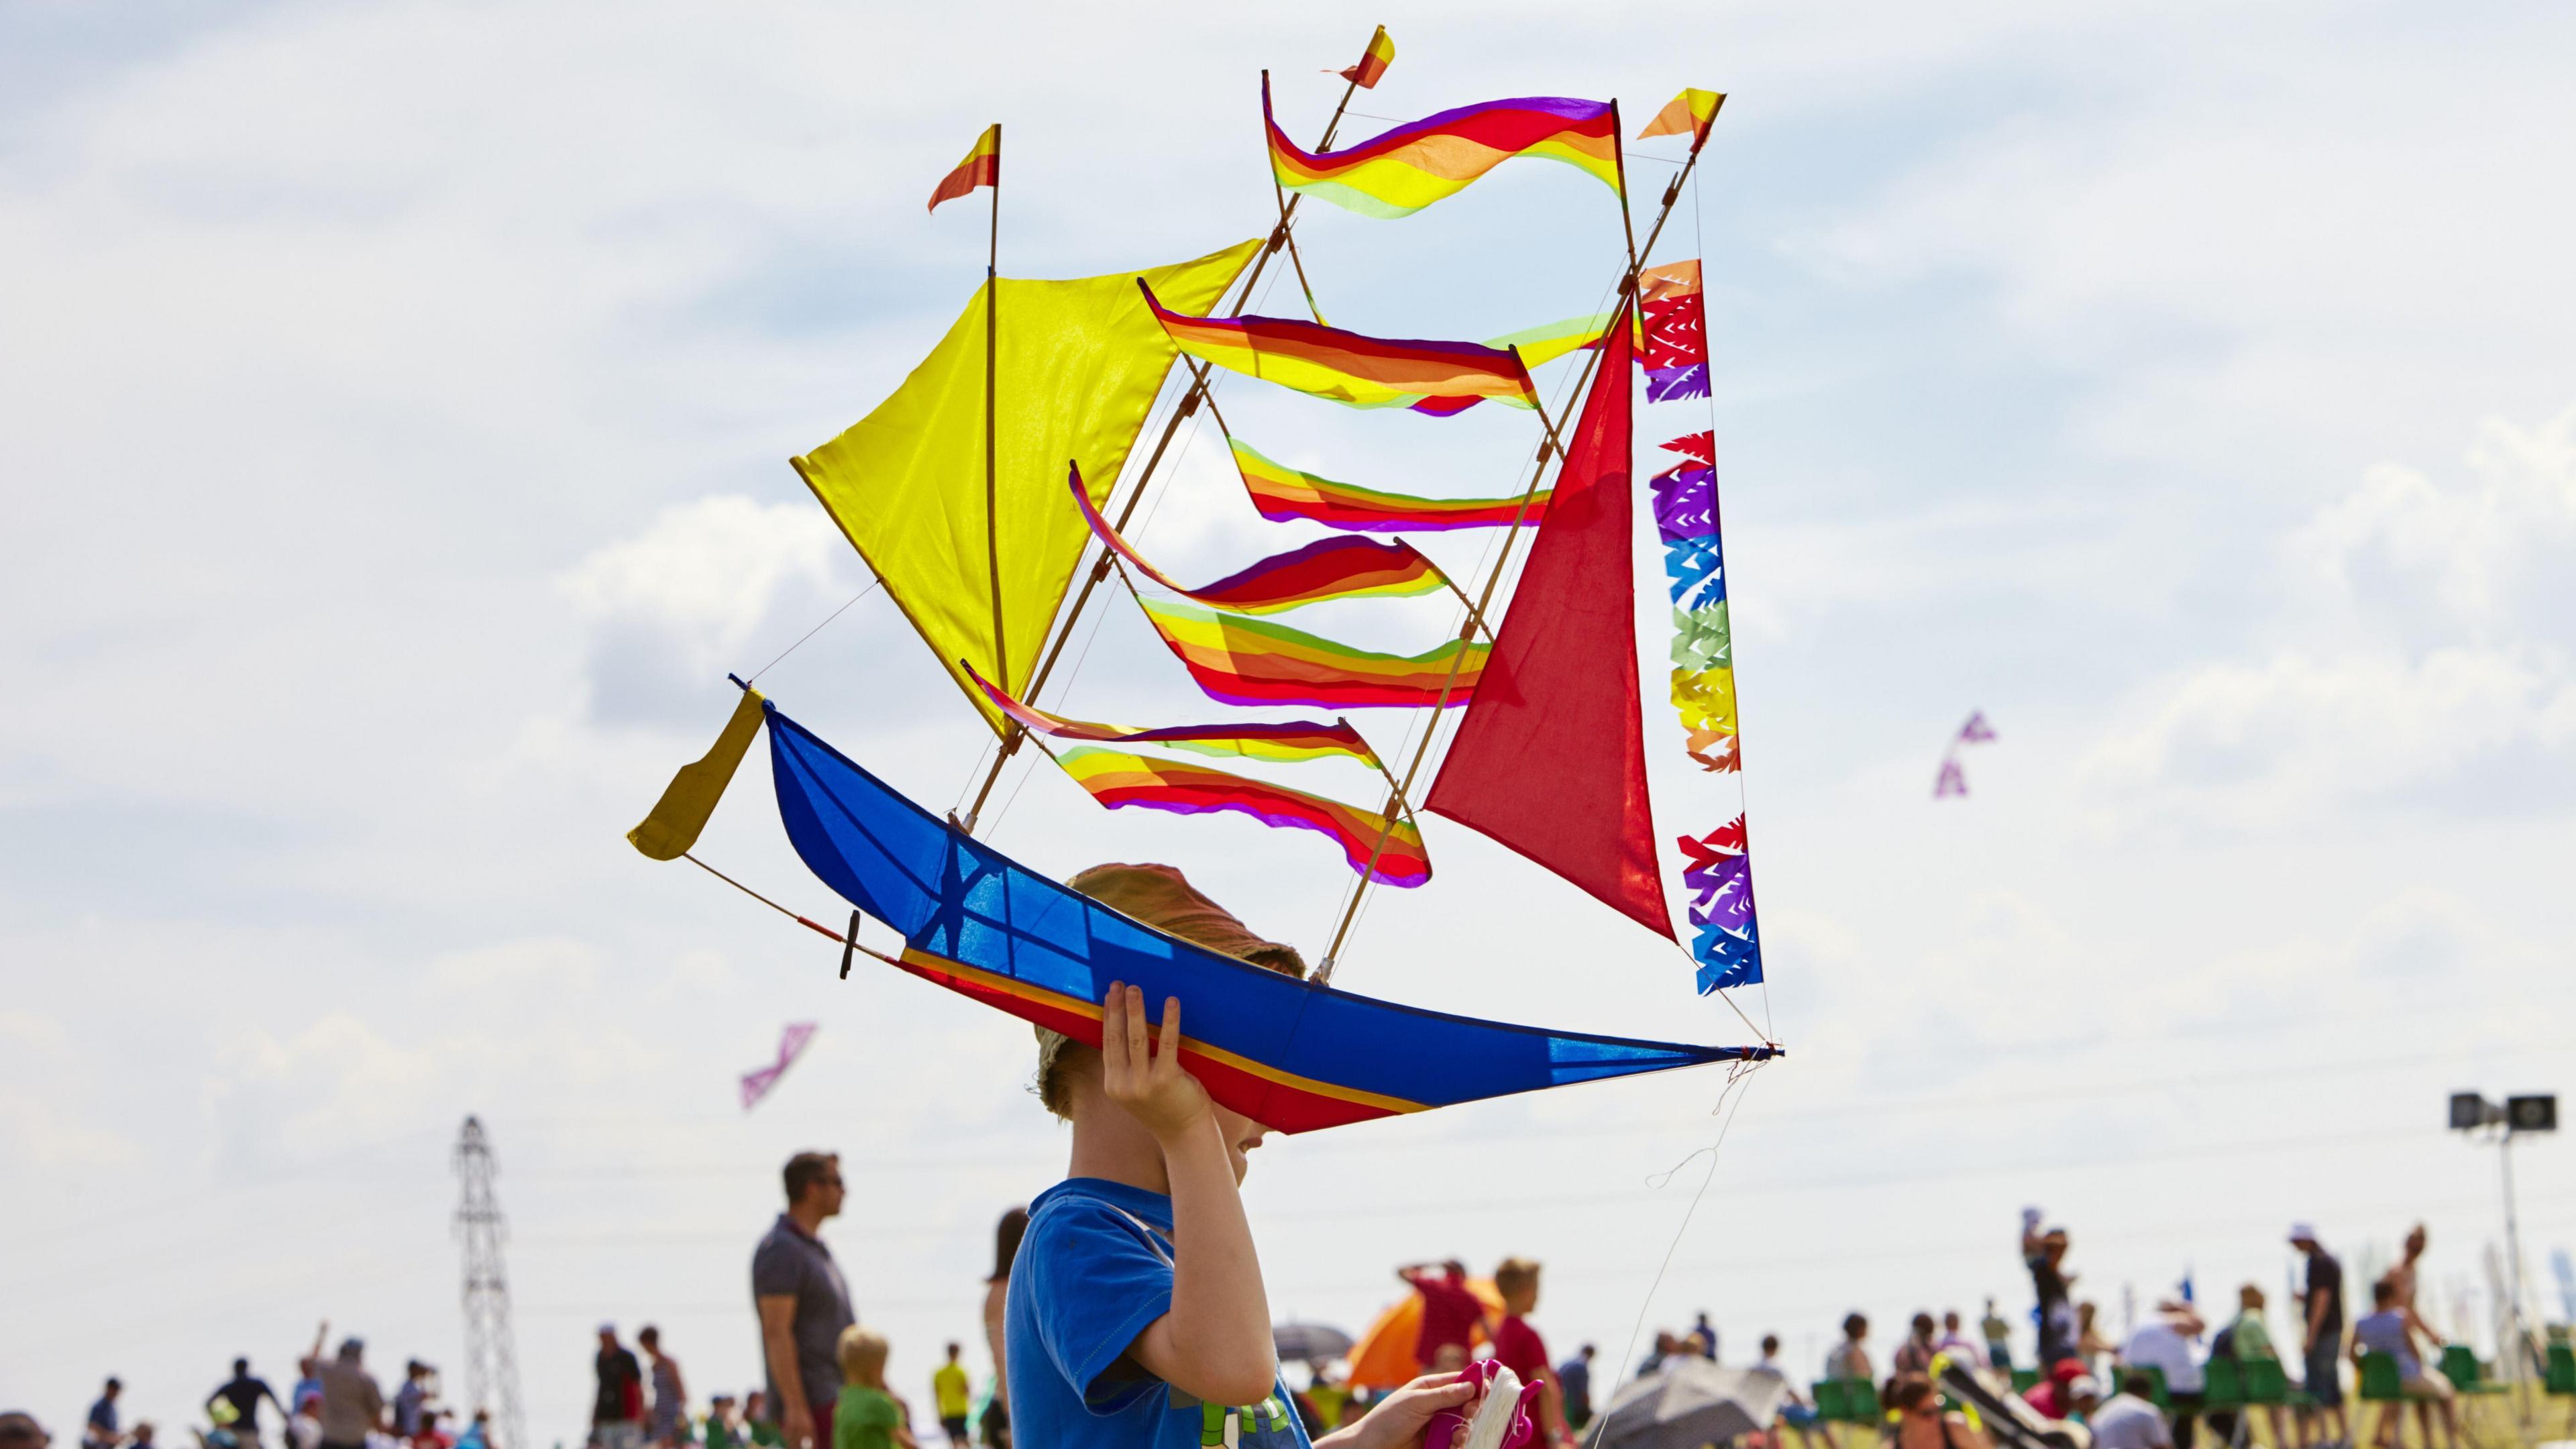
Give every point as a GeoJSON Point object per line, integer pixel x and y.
{"type": "Point", "coordinates": [1383, 1358]}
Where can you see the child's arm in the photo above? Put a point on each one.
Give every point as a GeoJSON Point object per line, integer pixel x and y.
{"type": "Point", "coordinates": [1397, 1422]}
{"type": "Point", "coordinates": [1214, 1344]}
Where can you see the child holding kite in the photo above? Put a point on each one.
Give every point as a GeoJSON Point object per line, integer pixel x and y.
{"type": "Point", "coordinates": [1137, 1314]}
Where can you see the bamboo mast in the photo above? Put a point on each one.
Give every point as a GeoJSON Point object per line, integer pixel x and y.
{"type": "Point", "coordinates": [1475, 614]}
{"type": "Point", "coordinates": [992, 336]}
{"type": "Point", "coordinates": [1189, 404]}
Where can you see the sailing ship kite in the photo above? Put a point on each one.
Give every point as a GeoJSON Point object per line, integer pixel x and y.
{"type": "Point", "coordinates": [978, 488]}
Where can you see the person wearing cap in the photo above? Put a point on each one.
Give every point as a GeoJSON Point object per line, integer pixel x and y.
{"type": "Point", "coordinates": [352, 1406]}
{"type": "Point", "coordinates": [2321, 1319]}
{"type": "Point", "coordinates": [2163, 1343]}
{"type": "Point", "coordinates": [617, 1409]}
{"type": "Point", "coordinates": [2084, 1400]}
{"type": "Point", "coordinates": [1136, 1312]}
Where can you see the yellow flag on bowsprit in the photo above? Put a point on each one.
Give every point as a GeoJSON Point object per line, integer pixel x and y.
{"type": "Point", "coordinates": [1076, 369]}
{"type": "Point", "coordinates": [691, 797]}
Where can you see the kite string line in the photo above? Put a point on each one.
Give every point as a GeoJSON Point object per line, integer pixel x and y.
{"type": "Point", "coordinates": [817, 629]}
{"type": "Point", "coordinates": [1736, 1081]}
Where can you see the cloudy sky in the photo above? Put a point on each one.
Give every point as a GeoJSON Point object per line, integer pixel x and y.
{"type": "Point", "coordinates": [393, 415]}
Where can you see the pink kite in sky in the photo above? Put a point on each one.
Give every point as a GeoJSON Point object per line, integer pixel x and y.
{"type": "Point", "coordinates": [1953, 780]}
{"type": "Point", "coordinates": [791, 1044]}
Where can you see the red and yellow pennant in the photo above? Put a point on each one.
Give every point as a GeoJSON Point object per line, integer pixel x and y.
{"type": "Point", "coordinates": [1373, 61]}
{"type": "Point", "coordinates": [1688, 114]}
{"type": "Point", "coordinates": [982, 167]}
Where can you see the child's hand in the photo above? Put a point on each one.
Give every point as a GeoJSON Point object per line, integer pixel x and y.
{"type": "Point", "coordinates": [1151, 1085]}
{"type": "Point", "coordinates": [1397, 1421]}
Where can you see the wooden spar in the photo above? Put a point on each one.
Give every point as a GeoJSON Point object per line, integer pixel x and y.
{"type": "Point", "coordinates": [1475, 613]}
{"type": "Point", "coordinates": [1190, 399]}
{"type": "Point", "coordinates": [992, 337]}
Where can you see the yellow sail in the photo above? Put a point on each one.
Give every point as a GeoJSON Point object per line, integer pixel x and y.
{"type": "Point", "coordinates": [1077, 366]}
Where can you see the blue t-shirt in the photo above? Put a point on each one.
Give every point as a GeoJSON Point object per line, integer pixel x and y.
{"type": "Point", "coordinates": [1093, 1273]}
{"type": "Point", "coordinates": [2385, 1332]}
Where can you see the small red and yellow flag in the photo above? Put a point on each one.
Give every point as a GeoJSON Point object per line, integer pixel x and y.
{"type": "Point", "coordinates": [1687, 114]}
{"type": "Point", "coordinates": [1373, 61]}
{"type": "Point", "coordinates": [982, 167]}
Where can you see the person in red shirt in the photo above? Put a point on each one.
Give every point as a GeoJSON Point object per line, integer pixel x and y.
{"type": "Point", "coordinates": [1518, 1347]}
{"type": "Point", "coordinates": [1451, 1315]}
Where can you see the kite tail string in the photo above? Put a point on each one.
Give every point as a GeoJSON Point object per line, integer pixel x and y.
{"type": "Point", "coordinates": [1736, 1078]}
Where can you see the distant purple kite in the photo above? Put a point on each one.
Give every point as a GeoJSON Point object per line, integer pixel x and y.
{"type": "Point", "coordinates": [1953, 780]}
{"type": "Point", "coordinates": [791, 1044]}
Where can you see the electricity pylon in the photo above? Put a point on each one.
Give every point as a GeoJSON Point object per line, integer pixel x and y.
{"type": "Point", "coordinates": [491, 1355]}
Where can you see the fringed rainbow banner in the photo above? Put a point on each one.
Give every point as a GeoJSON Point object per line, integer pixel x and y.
{"type": "Point", "coordinates": [1676, 326]}
{"type": "Point", "coordinates": [1695, 572]}
{"type": "Point", "coordinates": [1719, 876]}
{"type": "Point", "coordinates": [1414, 165]}
{"type": "Point", "coordinates": [1239, 660]}
{"type": "Point", "coordinates": [1282, 744]}
{"type": "Point", "coordinates": [1117, 780]}
{"type": "Point", "coordinates": [1283, 494]}
{"type": "Point", "coordinates": [1440, 378]}
{"type": "Point", "coordinates": [1329, 568]}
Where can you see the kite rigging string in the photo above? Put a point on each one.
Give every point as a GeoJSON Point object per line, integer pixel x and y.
{"type": "Point", "coordinates": [1737, 1079]}
{"type": "Point", "coordinates": [810, 633]}
{"type": "Point", "coordinates": [1743, 787]}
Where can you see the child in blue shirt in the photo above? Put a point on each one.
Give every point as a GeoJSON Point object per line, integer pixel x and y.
{"type": "Point", "coordinates": [1136, 1314]}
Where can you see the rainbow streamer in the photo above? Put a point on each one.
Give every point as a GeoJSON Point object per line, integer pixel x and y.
{"type": "Point", "coordinates": [1676, 330]}
{"type": "Point", "coordinates": [1283, 494]}
{"type": "Point", "coordinates": [1719, 873]}
{"type": "Point", "coordinates": [1281, 744]}
{"type": "Point", "coordinates": [1329, 568]}
{"type": "Point", "coordinates": [1414, 165]}
{"type": "Point", "coordinates": [1118, 780]}
{"type": "Point", "coordinates": [1238, 660]}
{"type": "Point", "coordinates": [1541, 345]}
{"type": "Point", "coordinates": [1439, 378]}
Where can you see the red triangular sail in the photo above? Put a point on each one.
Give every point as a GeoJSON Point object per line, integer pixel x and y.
{"type": "Point", "coordinates": [1550, 759]}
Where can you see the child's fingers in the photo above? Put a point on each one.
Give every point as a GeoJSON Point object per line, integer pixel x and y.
{"type": "Point", "coordinates": [1138, 1046]}
{"type": "Point", "coordinates": [1113, 1033]}
{"type": "Point", "coordinates": [1170, 1060]}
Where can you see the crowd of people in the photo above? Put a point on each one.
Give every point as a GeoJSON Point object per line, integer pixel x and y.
{"type": "Point", "coordinates": [826, 1384]}
{"type": "Point", "coordinates": [1126, 1307]}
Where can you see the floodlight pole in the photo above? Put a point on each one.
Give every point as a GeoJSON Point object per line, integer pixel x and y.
{"type": "Point", "coordinates": [2513, 1281]}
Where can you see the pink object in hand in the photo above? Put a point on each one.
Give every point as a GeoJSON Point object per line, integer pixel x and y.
{"type": "Point", "coordinates": [1448, 1429]}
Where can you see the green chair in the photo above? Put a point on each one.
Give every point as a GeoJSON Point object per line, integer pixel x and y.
{"type": "Point", "coordinates": [2460, 1366]}
{"type": "Point", "coordinates": [1859, 1402]}
{"type": "Point", "coordinates": [2223, 1384]}
{"type": "Point", "coordinates": [2382, 1384]}
{"type": "Point", "coordinates": [2266, 1382]}
{"type": "Point", "coordinates": [2156, 1376]}
{"type": "Point", "coordinates": [2560, 1377]}
{"type": "Point", "coordinates": [2024, 1380]}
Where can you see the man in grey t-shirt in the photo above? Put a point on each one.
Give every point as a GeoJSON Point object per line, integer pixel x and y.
{"type": "Point", "coordinates": [803, 1303]}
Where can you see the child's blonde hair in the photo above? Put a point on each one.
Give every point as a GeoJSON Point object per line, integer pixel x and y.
{"type": "Point", "coordinates": [1515, 1274]}
{"type": "Point", "coordinates": [863, 1355]}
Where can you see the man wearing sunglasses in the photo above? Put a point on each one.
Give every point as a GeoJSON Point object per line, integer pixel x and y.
{"type": "Point", "coordinates": [803, 1301]}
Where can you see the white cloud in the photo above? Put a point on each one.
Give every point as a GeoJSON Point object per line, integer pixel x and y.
{"type": "Point", "coordinates": [680, 602]}
{"type": "Point", "coordinates": [2418, 640]}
